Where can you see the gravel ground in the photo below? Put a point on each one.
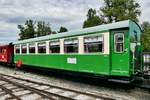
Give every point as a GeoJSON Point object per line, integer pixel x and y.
{"type": "Point", "coordinates": [118, 93]}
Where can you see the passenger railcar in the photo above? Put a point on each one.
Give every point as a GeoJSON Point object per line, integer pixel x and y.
{"type": "Point", "coordinates": [107, 50]}
{"type": "Point", "coordinates": [6, 53]}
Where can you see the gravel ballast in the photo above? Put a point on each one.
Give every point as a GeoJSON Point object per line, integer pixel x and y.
{"type": "Point", "coordinates": [119, 94]}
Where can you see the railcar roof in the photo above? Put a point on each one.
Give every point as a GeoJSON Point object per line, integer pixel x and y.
{"type": "Point", "coordinates": [4, 46]}
{"type": "Point", "coordinates": [100, 28]}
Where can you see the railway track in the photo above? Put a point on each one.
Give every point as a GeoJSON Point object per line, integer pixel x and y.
{"type": "Point", "coordinates": [17, 88]}
{"type": "Point", "coordinates": [145, 84]}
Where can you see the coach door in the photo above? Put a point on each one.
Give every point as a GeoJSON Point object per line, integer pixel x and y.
{"type": "Point", "coordinates": [119, 53]}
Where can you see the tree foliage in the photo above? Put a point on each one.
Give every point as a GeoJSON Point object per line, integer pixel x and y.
{"type": "Point", "coordinates": [26, 31]}
{"type": "Point", "coordinates": [22, 33]}
{"type": "Point", "coordinates": [118, 10]}
{"type": "Point", "coordinates": [92, 19]}
{"type": "Point", "coordinates": [62, 29]}
{"type": "Point", "coordinates": [113, 11]}
{"type": "Point", "coordinates": [43, 29]}
{"type": "Point", "coordinates": [30, 31]}
{"type": "Point", "coordinates": [33, 29]}
{"type": "Point", "coordinates": [145, 37]}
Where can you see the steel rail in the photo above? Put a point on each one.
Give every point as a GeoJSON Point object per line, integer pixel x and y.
{"type": "Point", "coordinates": [10, 93]}
{"type": "Point", "coordinates": [42, 93]}
{"type": "Point", "coordinates": [101, 96]}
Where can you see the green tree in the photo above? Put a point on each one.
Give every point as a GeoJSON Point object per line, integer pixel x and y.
{"type": "Point", "coordinates": [62, 29]}
{"type": "Point", "coordinates": [34, 29]}
{"type": "Point", "coordinates": [22, 34]}
{"type": "Point", "coordinates": [43, 29]}
{"type": "Point", "coordinates": [27, 30]}
{"type": "Point", "coordinates": [118, 10]}
{"type": "Point", "coordinates": [145, 37]}
{"type": "Point", "coordinates": [92, 19]}
{"type": "Point", "coordinates": [48, 29]}
{"type": "Point", "coordinates": [30, 31]}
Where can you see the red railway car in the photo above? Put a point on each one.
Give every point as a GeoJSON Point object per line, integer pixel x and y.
{"type": "Point", "coordinates": [6, 53]}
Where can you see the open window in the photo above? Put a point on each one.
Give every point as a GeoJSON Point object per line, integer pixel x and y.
{"type": "Point", "coordinates": [17, 49]}
{"type": "Point", "coordinates": [24, 48]}
{"type": "Point", "coordinates": [119, 42]}
{"type": "Point", "coordinates": [32, 48]}
{"type": "Point", "coordinates": [93, 44]}
{"type": "Point", "coordinates": [42, 47]}
{"type": "Point", "coordinates": [54, 47]}
{"type": "Point", "coordinates": [71, 46]}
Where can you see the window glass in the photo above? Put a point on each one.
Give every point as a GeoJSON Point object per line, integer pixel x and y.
{"type": "Point", "coordinates": [4, 51]}
{"type": "Point", "coordinates": [17, 49]}
{"type": "Point", "coordinates": [54, 47]}
{"type": "Point", "coordinates": [71, 46]}
{"type": "Point", "coordinates": [0, 50]}
{"type": "Point", "coordinates": [42, 47]}
{"type": "Point", "coordinates": [32, 48]}
{"type": "Point", "coordinates": [135, 36]}
{"type": "Point", "coordinates": [119, 42]}
{"type": "Point", "coordinates": [93, 44]}
{"type": "Point", "coordinates": [24, 48]}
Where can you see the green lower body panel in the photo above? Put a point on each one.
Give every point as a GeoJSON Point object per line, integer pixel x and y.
{"type": "Point", "coordinates": [95, 64]}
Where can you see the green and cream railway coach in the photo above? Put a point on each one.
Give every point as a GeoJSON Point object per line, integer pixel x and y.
{"type": "Point", "coordinates": [105, 50]}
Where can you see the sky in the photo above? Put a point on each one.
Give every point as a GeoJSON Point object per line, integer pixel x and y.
{"type": "Point", "coordinates": [68, 13]}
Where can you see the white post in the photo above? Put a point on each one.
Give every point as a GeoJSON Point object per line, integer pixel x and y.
{"type": "Point", "coordinates": [20, 49]}
{"type": "Point", "coordinates": [61, 46]}
{"type": "Point", "coordinates": [81, 45]}
{"type": "Point", "coordinates": [106, 43]}
{"type": "Point", "coordinates": [27, 48]}
{"type": "Point", "coordinates": [47, 47]}
{"type": "Point", "coordinates": [36, 48]}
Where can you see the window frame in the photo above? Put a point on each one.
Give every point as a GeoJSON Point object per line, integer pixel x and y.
{"type": "Point", "coordinates": [22, 48]}
{"type": "Point", "coordinates": [95, 35]}
{"type": "Point", "coordinates": [42, 42]}
{"type": "Point", "coordinates": [31, 45]}
{"type": "Point", "coordinates": [55, 45]}
{"type": "Point", "coordinates": [72, 38]}
{"type": "Point", "coordinates": [115, 50]}
{"type": "Point", "coordinates": [17, 47]}
{"type": "Point", "coordinates": [135, 36]}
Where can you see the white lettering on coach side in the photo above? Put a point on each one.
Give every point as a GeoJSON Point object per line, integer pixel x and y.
{"type": "Point", "coordinates": [72, 60]}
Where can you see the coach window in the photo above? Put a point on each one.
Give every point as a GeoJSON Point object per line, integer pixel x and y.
{"type": "Point", "coordinates": [24, 48]}
{"type": "Point", "coordinates": [32, 48]}
{"type": "Point", "coordinates": [71, 46]}
{"type": "Point", "coordinates": [0, 50]}
{"type": "Point", "coordinates": [42, 47]}
{"type": "Point", "coordinates": [119, 42]}
{"type": "Point", "coordinates": [4, 51]}
{"type": "Point", "coordinates": [17, 49]}
{"type": "Point", "coordinates": [54, 47]}
{"type": "Point", "coordinates": [136, 37]}
{"type": "Point", "coordinates": [93, 44]}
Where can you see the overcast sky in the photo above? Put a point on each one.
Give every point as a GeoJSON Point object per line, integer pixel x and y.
{"type": "Point", "coordinates": [68, 13]}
